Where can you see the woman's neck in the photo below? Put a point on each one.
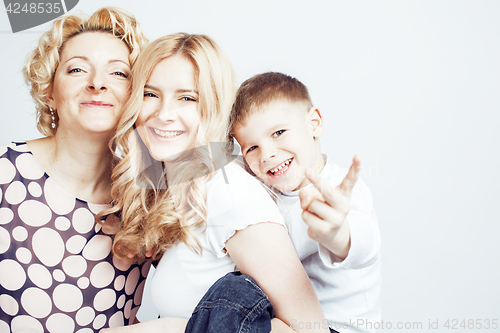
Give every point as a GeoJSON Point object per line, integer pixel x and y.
{"type": "Point", "coordinates": [82, 166]}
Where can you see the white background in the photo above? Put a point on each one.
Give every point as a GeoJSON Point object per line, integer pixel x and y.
{"type": "Point", "coordinates": [413, 86]}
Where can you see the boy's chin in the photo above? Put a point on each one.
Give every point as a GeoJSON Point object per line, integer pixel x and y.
{"type": "Point", "coordinates": [287, 187]}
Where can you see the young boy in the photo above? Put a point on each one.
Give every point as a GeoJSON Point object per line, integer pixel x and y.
{"type": "Point", "coordinates": [331, 222]}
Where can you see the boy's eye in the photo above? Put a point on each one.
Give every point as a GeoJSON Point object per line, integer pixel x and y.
{"type": "Point", "coordinates": [278, 133]}
{"type": "Point", "coordinates": [251, 148]}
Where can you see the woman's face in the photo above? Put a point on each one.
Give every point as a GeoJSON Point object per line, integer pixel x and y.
{"type": "Point", "coordinates": [169, 119]}
{"type": "Point", "coordinates": [91, 84]}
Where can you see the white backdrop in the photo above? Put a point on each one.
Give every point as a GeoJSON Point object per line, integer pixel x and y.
{"type": "Point", "coordinates": [413, 86]}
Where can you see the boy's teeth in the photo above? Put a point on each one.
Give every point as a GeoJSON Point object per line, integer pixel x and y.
{"type": "Point", "coordinates": [281, 166]}
{"type": "Point", "coordinates": [167, 134]}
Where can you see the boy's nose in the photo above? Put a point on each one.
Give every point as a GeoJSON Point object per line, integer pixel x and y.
{"type": "Point", "coordinates": [267, 155]}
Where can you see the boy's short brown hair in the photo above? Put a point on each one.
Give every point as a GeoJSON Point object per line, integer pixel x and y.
{"type": "Point", "coordinates": [265, 88]}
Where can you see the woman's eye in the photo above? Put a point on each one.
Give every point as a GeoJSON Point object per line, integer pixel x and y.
{"type": "Point", "coordinates": [149, 94]}
{"type": "Point", "coordinates": [278, 133]}
{"type": "Point", "coordinates": [188, 99]}
{"type": "Point", "coordinates": [75, 70]}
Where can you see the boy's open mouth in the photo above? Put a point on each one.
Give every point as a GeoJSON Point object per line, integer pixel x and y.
{"type": "Point", "coordinates": [280, 169]}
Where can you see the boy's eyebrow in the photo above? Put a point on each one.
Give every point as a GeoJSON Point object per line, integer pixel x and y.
{"type": "Point", "coordinates": [276, 127]}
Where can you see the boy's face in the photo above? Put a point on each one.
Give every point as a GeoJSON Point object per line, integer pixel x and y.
{"type": "Point", "coordinates": [279, 142]}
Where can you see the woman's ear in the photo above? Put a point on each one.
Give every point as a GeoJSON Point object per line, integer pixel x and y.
{"type": "Point", "coordinates": [316, 121]}
{"type": "Point", "coordinates": [51, 102]}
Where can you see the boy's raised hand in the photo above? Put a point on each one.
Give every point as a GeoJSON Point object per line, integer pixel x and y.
{"type": "Point", "coordinates": [325, 209]}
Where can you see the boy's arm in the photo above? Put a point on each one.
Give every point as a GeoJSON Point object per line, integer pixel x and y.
{"type": "Point", "coordinates": [326, 209]}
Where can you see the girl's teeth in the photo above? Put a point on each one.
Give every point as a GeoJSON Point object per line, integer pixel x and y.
{"type": "Point", "coordinates": [167, 134]}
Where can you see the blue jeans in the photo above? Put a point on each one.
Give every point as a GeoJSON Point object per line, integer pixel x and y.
{"type": "Point", "coordinates": [235, 303]}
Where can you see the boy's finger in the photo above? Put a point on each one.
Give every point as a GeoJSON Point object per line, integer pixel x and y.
{"type": "Point", "coordinates": [315, 223]}
{"type": "Point", "coordinates": [352, 176]}
{"type": "Point", "coordinates": [325, 212]}
{"type": "Point", "coordinates": [320, 209]}
{"type": "Point", "coordinates": [306, 195]}
{"type": "Point", "coordinates": [327, 191]}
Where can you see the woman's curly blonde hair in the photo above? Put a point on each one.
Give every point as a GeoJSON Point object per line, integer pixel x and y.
{"type": "Point", "coordinates": [157, 212]}
{"type": "Point", "coordinates": [41, 64]}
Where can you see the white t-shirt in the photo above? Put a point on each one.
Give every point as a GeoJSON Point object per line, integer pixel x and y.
{"type": "Point", "coordinates": [349, 291]}
{"type": "Point", "coordinates": [182, 276]}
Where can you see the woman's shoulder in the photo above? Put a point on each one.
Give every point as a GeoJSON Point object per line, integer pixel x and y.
{"type": "Point", "coordinates": [13, 156]}
{"type": "Point", "coordinates": [14, 148]}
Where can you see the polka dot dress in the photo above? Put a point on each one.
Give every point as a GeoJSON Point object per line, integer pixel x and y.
{"type": "Point", "coordinates": [57, 273]}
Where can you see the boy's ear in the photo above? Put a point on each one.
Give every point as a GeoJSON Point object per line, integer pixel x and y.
{"type": "Point", "coordinates": [316, 121]}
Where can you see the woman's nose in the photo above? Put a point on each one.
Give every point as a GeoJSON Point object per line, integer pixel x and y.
{"type": "Point", "coordinates": [97, 83]}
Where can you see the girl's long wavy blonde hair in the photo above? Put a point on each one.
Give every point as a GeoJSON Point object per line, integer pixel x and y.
{"type": "Point", "coordinates": [154, 213]}
{"type": "Point", "coordinates": [42, 62]}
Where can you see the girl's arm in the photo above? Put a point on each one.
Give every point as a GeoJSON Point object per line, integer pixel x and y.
{"type": "Point", "coordinates": [265, 252]}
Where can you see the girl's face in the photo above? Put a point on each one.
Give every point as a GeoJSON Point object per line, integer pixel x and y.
{"type": "Point", "coordinates": [169, 118]}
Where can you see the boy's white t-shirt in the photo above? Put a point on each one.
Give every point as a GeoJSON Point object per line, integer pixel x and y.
{"type": "Point", "coordinates": [182, 276]}
{"type": "Point", "coordinates": [349, 291]}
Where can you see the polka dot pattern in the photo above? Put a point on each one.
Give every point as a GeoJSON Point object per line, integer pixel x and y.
{"type": "Point", "coordinates": [57, 272]}
{"type": "Point", "coordinates": [20, 234]}
{"type": "Point", "coordinates": [4, 240]}
{"type": "Point", "coordinates": [16, 192]}
{"type": "Point", "coordinates": [40, 276]}
{"type": "Point", "coordinates": [9, 305]}
{"type": "Point", "coordinates": [36, 302]}
{"type": "Point", "coordinates": [25, 324]}
{"type": "Point", "coordinates": [6, 215]}
{"type": "Point", "coordinates": [35, 189]}
{"type": "Point", "coordinates": [23, 255]}
{"type": "Point", "coordinates": [27, 167]}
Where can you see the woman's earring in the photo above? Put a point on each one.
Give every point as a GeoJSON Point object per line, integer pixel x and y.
{"type": "Point", "coordinates": [53, 118]}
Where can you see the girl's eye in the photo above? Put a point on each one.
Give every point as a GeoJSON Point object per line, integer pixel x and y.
{"type": "Point", "coordinates": [251, 148]}
{"type": "Point", "coordinates": [120, 74]}
{"type": "Point", "coordinates": [188, 99]}
{"type": "Point", "coordinates": [278, 133]}
{"type": "Point", "coordinates": [149, 94]}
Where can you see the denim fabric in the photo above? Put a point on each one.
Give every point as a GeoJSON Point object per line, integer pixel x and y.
{"type": "Point", "coordinates": [235, 303]}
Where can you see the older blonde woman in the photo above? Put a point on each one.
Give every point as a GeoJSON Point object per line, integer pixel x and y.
{"type": "Point", "coordinates": [57, 272]}
{"type": "Point", "coordinates": [201, 216]}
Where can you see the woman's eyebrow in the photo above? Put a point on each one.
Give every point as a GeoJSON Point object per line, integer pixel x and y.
{"type": "Point", "coordinates": [86, 59]}
{"type": "Point", "coordinates": [76, 57]}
